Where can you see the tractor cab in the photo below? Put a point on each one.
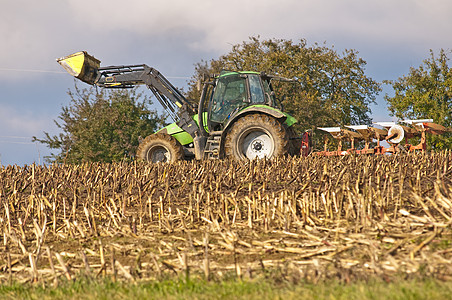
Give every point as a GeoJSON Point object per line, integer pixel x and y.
{"type": "Point", "coordinates": [235, 91]}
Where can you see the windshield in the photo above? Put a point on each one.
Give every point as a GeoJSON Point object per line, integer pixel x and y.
{"type": "Point", "coordinates": [230, 94]}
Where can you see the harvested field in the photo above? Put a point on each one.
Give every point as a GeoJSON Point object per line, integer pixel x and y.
{"type": "Point", "coordinates": [314, 219]}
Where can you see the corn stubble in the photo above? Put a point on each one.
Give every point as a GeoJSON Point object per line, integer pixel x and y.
{"type": "Point", "coordinates": [311, 219]}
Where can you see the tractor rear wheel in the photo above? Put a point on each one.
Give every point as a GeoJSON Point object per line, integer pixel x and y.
{"type": "Point", "coordinates": [160, 147]}
{"type": "Point", "coordinates": [256, 136]}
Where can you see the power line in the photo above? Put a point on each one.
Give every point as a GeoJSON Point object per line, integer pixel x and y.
{"type": "Point", "coordinates": [13, 142]}
{"type": "Point", "coordinates": [13, 137]}
{"type": "Point", "coordinates": [31, 70]}
{"type": "Point", "coordinates": [16, 138]}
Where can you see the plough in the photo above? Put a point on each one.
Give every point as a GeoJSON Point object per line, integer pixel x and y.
{"type": "Point", "coordinates": [392, 133]}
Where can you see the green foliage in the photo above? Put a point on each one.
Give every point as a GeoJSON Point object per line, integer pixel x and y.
{"type": "Point", "coordinates": [102, 127]}
{"type": "Point", "coordinates": [426, 93]}
{"type": "Point", "coordinates": [333, 89]}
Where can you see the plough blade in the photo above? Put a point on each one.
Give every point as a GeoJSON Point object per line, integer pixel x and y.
{"type": "Point", "coordinates": [330, 129]}
{"type": "Point", "coordinates": [386, 125]}
{"type": "Point", "coordinates": [380, 134]}
{"type": "Point", "coordinates": [364, 130]}
{"type": "Point", "coordinates": [369, 133]}
{"type": "Point", "coordinates": [334, 131]}
{"type": "Point", "coordinates": [417, 122]}
{"type": "Point", "coordinates": [352, 135]}
{"type": "Point", "coordinates": [436, 128]}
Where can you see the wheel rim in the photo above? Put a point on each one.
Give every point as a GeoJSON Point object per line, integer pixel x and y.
{"type": "Point", "coordinates": [158, 154]}
{"type": "Point", "coordinates": [256, 144]}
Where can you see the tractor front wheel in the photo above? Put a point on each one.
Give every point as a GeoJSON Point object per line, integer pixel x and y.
{"type": "Point", "coordinates": [256, 136]}
{"type": "Point", "coordinates": [160, 147]}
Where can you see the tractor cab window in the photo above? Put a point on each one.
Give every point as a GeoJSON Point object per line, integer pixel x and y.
{"type": "Point", "coordinates": [229, 96]}
{"type": "Point", "coordinates": [269, 94]}
{"type": "Point", "coordinates": [257, 94]}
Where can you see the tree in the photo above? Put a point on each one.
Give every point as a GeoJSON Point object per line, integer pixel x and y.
{"type": "Point", "coordinates": [104, 126]}
{"type": "Point", "coordinates": [425, 93]}
{"type": "Point", "coordinates": [333, 89]}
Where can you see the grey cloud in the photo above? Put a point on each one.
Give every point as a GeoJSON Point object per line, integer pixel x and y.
{"type": "Point", "coordinates": [34, 31]}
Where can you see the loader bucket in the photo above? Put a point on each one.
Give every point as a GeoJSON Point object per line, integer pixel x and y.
{"type": "Point", "coordinates": [81, 65]}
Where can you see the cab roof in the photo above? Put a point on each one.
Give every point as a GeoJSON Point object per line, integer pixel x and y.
{"type": "Point", "coordinates": [228, 73]}
{"type": "Point", "coordinates": [225, 73]}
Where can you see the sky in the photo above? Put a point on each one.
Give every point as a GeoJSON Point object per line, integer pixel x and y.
{"type": "Point", "coordinates": [173, 35]}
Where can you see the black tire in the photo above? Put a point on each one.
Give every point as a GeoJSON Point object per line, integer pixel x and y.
{"type": "Point", "coordinates": [256, 136]}
{"type": "Point", "coordinates": [160, 147]}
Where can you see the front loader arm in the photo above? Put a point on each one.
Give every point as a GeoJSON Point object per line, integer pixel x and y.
{"type": "Point", "coordinates": [87, 68]}
{"type": "Point", "coordinates": [132, 75]}
{"type": "Point", "coordinates": [172, 100]}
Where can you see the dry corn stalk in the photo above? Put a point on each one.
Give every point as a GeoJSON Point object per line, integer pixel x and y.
{"type": "Point", "coordinates": [372, 215]}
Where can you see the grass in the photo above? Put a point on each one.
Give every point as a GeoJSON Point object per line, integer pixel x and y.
{"type": "Point", "coordinates": [231, 289]}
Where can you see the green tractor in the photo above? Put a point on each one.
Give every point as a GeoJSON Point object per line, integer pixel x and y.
{"type": "Point", "coordinates": [238, 115]}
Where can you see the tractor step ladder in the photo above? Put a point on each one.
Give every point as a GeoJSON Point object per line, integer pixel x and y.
{"type": "Point", "coordinates": [212, 150]}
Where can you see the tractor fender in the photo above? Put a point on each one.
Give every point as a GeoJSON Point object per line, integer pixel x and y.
{"type": "Point", "coordinates": [277, 114]}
